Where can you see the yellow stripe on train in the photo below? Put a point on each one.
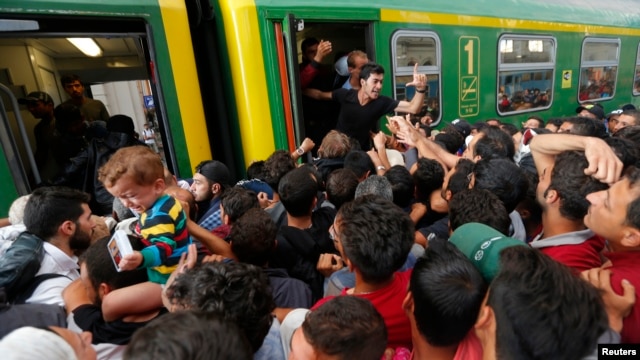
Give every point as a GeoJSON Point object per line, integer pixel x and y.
{"type": "Point", "coordinates": [416, 17]}
{"type": "Point", "coordinates": [249, 77]}
{"type": "Point", "coordinates": [185, 76]}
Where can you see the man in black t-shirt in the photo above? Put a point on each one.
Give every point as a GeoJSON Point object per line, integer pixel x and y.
{"type": "Point", "coordinates": [83, 301]}
{"type": "Point", "coordinates": [362, 108]}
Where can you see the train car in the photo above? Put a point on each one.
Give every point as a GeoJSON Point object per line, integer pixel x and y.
{"type": "Point", "coordinates": [221, 80]}
{"type": "Point", "coordinates": [146, 69]}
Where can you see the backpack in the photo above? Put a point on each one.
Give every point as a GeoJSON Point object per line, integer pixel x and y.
{"type": "Point", "coordinates": [38, 315]}
{"type": "Point", "coordinates": [18, 268]}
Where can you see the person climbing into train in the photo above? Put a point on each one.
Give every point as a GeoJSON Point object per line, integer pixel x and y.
{"type": "Point", "coordinates": [361, 109]}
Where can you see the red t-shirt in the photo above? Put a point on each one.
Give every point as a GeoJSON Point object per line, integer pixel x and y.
{"type": "Point", "coordinates": [626, 265]}
{"type": "Point", "coordinates": [579, 250]}
{"type": "Point", "coordinates": [388, 302]}
{"type": "Point", "coordinates": [578, 257]}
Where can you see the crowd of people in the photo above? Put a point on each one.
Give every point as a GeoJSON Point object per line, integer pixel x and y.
{"type": "Point", "coordinates": [482, 241]}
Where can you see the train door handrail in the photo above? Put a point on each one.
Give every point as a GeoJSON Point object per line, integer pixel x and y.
{"type": "Point", "coordinates": [23, 134]}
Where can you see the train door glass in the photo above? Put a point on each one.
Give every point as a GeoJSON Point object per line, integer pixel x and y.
{"type": "Point", "coordinates": [525, 73]}
{"type": "Point", "coordinates": [118, 76]}
{"type": "Point", "coordinates": [332, 72]}
{"type": "Point", "coordinates": [636, 78]}
{"type": "Point", "coordinates": [598, 69]}
{"type": "Point", "coordinates": [409, 48]}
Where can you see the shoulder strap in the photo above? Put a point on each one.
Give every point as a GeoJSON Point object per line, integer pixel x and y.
{"type": "Point", "coordinates": [33, 285]}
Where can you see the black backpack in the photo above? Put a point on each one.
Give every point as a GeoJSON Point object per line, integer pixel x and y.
{"type": "Point", "coordinates": [18, 268]}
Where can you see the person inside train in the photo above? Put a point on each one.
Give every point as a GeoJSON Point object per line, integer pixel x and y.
{"type": "Point", "coordinates": [319, 117]}
{"type": "Point", "coordinates": [361, 109]}
{"type": "Point", "coordinates": [355, 61]}
{"type": "Point", "coordinates": [40, 105]}
{"type": "Point", "coordinates": [91, 109]}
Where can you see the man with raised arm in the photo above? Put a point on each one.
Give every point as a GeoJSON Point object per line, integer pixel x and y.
{"type": "Point", "coordinates": [361, 109]}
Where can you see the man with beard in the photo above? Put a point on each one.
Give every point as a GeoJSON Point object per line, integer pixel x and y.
{"type": "Point", "coordinates": [91, 109]}
{"type": "Point", "coordinates": [62, 219]}
{"type": "Point", "coordinates": [210, 180]}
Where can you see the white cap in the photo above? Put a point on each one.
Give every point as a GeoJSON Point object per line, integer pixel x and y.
{"type": "Point", "coordinates": [30, 343]}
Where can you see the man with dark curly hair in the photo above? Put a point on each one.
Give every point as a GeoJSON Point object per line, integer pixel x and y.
{"type": "Point", "coordinates": [561, 193]}
{"type": "Point", "coordinates": [234, 291]}
{"type": "Point", "coordinates": [374, 237]}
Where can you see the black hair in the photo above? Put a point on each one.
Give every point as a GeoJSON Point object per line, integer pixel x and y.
{"type": "Point", "coordinates": [633, 209]}
{"type": "Point", "coordinates": [480, 206]}
{"type": "Point", "coordinates": [276, 166]}
{"type": "Point", "coordinates": [66, 115]}
{"type": "Point", "coordinates": [461, 178]}
{"type": "Point", "coordinates": [100, 268]}
{"type": "Point", "coordinates": [503, 178]}
{"type": "Point", "coordinates": [69, 78]}
{"type": "Point", "coordinates": [402, 185]}
{"type": "Point", "coordinates": [557, 122]}
{"type": "Point", "coordinates": [587, 126]}
{"type": "Point", "coordinates": [256, 170]}
{"type": "Point", "coordinates": [630, 132]}
{"type": "Point", "coordinates": [121, 124]}
{"type": "Point", "coordinates": [494, 143]}
{"type": "Point", "coordinates": [253, 237]}
{"type": "Point", "coordinates": [308, 42]}
{"type": "Point", "coordinates": [370, 68]}
{"type": "Point", "coordinates": [298, 189]}
{"type": "Point", "coordinates": [346, 327]}
{"type": "Point", "coordinates": [194, 335]}
{"type": "Point", "coordinates": [49, 207]}
{"type": "Point", "coordinates": [341, 187]}
{"type": "Point", "coordinates": [529, 284]}
{"type": "Point", "coordinates": [376, 236]}
{"type": "Point", "coordinates": [448, 142]}
{"type": "Point", "coordinates": [234, 291]}
{"type": "Point", "coordinates": [428, 177]}
{"type": "Point", "coordinates": [236, 201]}
{"type": "Point", "coordinates": [509, 128]}
{"type": "Point", "coordinates": [447, 293]}
{"type": "Point", "coordinates": [359, 162]}
{"type": "Point", "coordinates": [571, 183]}
{"type": "Point", "coordinates": [634, 113]}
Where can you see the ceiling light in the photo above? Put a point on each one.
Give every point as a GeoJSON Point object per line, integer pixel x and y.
{"type": "Point", "coordinates": [87, 46]}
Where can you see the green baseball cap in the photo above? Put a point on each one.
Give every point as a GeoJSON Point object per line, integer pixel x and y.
{"type": "Point", "coordinates": [482, 245]}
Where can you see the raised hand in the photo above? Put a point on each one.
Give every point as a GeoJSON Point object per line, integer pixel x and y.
{"type": "Point", "coordinates": [419, 80]}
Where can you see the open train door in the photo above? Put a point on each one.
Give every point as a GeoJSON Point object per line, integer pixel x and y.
{"type": "Point", "coordinates": [290, 78]}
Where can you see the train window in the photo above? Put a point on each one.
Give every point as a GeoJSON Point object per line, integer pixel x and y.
{"type": "Point", "coordinates": [525, 73]}
{"type": "Point", "coordinates": [598, 69]}
{"type": "Point", "coordinates": [410, 47]}
{"type": "Point", "coordinates": [636, 79]}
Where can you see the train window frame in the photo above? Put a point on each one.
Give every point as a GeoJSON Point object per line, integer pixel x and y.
{"type": "Point", "coordinates": [635, 87]}
{"type": "Point", "coordinates": [433, 70]}
{"type": "Point", "coordinates": [584, 64]}
{"type": "Point", "coordinates": [527, 70]}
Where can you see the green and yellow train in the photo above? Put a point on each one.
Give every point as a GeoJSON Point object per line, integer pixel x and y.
{"type": "Point", "coordinates": [223, 75]}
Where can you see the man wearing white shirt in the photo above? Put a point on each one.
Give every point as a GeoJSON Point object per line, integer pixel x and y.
{"type": "Point", "coordinates": [62, 219]}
